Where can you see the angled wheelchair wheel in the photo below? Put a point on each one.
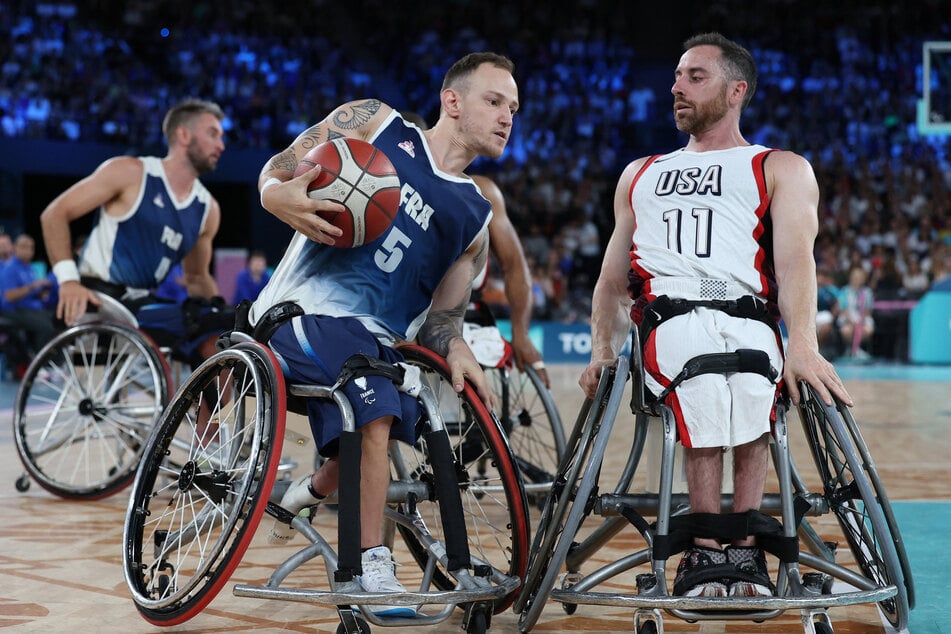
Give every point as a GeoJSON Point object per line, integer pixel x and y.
{"type": "Point", "coordinates": [570, 499]}
{"type": "Point", "coordinates": [203, 483]}
{"type": "Point", "coordinates": [493, 497]}
{"type": "Point", "coordinates": [86, 406]}
{"type": "Point", "coordinates": [530, 418]}
{"type": "Point", "coordinates": [857, 498]}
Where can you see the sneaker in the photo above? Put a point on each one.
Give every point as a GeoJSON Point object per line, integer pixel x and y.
{"type": "Point", "coordinates": [751, 578]}
{"type": "Point", "coordinates": [298, 501]}
{"type": "Point", "coordinates": [379, 575]}
{"type": "Point", "coordinates": [701, 573]}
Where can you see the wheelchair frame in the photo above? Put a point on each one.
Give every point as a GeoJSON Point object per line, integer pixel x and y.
{"type": "Point", "coordinates": [174, 567]}
{"type": "Point", "coordinates": [87, 403]}
{"type": "Point", "coordinates": [851, 490]}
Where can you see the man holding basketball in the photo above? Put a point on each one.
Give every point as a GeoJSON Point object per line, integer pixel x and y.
{"type": "Point", "coordinates": [152, 214]}
{"type": "Point", "coordinates": [727, 228]}
{"type": "Point", "coordinates": [413, 282]}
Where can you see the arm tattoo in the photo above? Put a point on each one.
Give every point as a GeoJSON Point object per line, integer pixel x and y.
{"type": "Point", "coordinates": [478, 262]}
{"type": "Point", "coordinates": [285, 161]}
{"type": "Point", "coordinates": [358, 115]}
{"type": "Point", "coordinates": [443, 326]}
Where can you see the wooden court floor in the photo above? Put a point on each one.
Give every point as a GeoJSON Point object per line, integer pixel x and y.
{"type": "Point", "coordinates": [60, 561]}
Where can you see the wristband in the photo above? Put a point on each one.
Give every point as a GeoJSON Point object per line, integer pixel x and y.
{"type": "Point", "coordinates": [65, 271]}
{"type": "Point", "coordinates": [268, 183]}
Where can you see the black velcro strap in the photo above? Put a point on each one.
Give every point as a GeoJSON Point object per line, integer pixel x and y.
{"type": "Point", "coordinates": [273, 318]}
{"type": "Point", "coordinates": [727, 527]}
{"type": "Point", "coordinates": [108, 288]}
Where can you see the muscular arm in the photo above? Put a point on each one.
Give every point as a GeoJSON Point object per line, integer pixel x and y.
{"type": "Point", "coordinates": [442, 330]}
{"type": "Point", "coordinates": [507, 249]}
{"type": "Point", "coordinates": [113, 186]}
{"type": "Point", "coordinates": [611, 303]}
{"type": "Point", "coordinates": [288, 198]}
{"type": "Point", "coordinates": [196, 265]}
{"type": "Point", "coordinates": [793, 209]}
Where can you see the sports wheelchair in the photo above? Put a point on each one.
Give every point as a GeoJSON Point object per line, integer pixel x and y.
{"type": "Point", "coordinates": [809, 578]}
{"type": "Point", "coordinates": [525, 406]}
{"type": "Point", "coordinates": [456, 497]}
{"type": "Point", "coordinates": [87, 402]}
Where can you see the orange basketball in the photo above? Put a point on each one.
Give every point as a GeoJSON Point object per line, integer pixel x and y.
{"type": "Point", "coordinates": [360, 176]}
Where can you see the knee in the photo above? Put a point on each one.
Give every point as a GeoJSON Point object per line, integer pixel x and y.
{"type": "Point", "coordinates": [377, 431]}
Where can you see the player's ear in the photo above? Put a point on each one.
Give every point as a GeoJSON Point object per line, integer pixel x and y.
{"type": "Point", "coordinates": [450, 102]}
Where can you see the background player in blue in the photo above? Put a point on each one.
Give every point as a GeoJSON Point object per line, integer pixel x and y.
{"type": "Point", "coordinates": [414, 281]}
{"type": "Point", "coordinates": [152, 214]}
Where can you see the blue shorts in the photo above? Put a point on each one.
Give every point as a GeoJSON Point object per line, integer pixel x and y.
{"type": "Point", "coordinates": [182, 327]}
{"type": "Point", "coordinates": [312, 350]}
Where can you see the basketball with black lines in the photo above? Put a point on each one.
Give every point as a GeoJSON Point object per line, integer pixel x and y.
{"type": "Point", "coordinates": [359, 176]}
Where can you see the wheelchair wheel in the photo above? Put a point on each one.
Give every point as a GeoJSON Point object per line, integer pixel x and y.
{"type": "Point", "coordinates": [858, 500]}
{"type": "Point", "coordinates": [199, 494]}
{"type": "Point", "coordinates": [568, 503]}
{"type": "Point", "coordinates": [493, 497]}
{"type": "Point", "coordinates": [86, 406]}
{"type": "Point", "coordinates": [530, 419]}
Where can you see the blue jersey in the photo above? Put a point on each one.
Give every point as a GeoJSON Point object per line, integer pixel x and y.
{"type": "Point", "coordinates": [388, 283]}
{"type": "Point", "coordinates": [140, 248]}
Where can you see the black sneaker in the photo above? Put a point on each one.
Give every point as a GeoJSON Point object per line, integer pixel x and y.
{"type": "Point", "coordinates": [701, 573]}
{"type": "Point", "coordinates": [750, 577]}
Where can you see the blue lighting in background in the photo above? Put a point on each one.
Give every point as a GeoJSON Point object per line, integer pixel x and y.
{"type": "Point", "coordinates": [164, 32]}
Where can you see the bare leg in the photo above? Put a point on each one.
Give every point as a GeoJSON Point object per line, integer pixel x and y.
{"type": "Point", "coordinates": [749, 477]}
{"type": "Point", "coordinates": [374, 480]}
{"type": "Point", "coordinates": [704, 484]}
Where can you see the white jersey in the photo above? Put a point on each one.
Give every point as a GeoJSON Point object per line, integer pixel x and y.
{"type": "Point", "coordinates": [702, 229]}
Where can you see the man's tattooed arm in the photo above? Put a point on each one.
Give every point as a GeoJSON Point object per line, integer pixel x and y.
{"type": "Point", "coordinates": [348, 117]}
{"type": "Point", "coordinates": [444, 325]}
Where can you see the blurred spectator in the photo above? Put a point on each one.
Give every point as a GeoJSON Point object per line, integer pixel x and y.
{"type": "Point", "coordinates": [827, 313]}
{"type": "Point", "coordinates": [6, 248]}
{"type": "Point", "coordinates": [252, 278]}
{"type": "Point", "coordinates": [915, 281]}
{"type": "Point", "coordinates": [855, 313]}
{"type": "Point", "coordinates": [23, 297]}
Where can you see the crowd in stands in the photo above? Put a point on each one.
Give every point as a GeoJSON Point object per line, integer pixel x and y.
{"type": "Point", "coordinates": [838, 84]}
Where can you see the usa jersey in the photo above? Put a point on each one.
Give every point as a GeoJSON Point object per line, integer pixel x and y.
{"type": "Point", "coordinates": [138, 249]}
{"type": "Point", "coordinates": [702, 228]}
{"type": "Point", "coordinates": [388, 283]}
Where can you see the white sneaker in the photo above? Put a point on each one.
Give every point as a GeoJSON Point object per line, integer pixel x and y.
{"type": "Point", "coordinates": [298, 501]}
{"type": "Point", "coordinates": [379, 575]}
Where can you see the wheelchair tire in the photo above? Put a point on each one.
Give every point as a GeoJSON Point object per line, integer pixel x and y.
{"type": "Point", "coordinates": [568, 505]}
{"type": "Point", "coordinates": [195, 502]}
{"type": "Point", "coordinates": [86, 406]}
{"type": "Point", "coordinates": [856, 497]}
{"type": "Point", "coordinates": [533, 425]}
{"type": "Point", "coordinates": [493, 496]}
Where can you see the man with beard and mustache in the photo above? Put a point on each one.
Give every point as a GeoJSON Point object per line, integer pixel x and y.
{"type": "Point", "coordinates": [728, 229]}
{"type": "Point", "coordinates": [152, 214]}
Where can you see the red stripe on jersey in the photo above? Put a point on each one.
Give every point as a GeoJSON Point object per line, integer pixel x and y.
{"type": "Point", "coordinates": [759, 173]}
{"type": "Point", "coordinates": [640, 273]}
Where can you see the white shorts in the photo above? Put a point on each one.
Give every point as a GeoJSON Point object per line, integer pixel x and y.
{"type": "Point", "coordinates": [713, 410]}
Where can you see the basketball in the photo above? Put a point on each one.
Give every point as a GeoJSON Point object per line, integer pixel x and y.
{"type": "Point", "coordinates": [359, 176]}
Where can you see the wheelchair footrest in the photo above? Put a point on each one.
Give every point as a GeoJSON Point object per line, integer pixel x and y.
{"type": "Point", "coordinates": [438, 597]}
{"type": "Point", "coordinates": [721, 604]}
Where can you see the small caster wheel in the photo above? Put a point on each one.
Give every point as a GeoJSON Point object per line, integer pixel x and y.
{"type": "Point", "coordinates": [478, 624]}
{"type": "Point", "coordinates": [23, 483]}
{"type": "Point", "coordinates": [649, 627]}
{"type": "Point", "coordinates": [822, 628]}
{"type": "Point", "coordinates": [569, 608]}
{"type": "Point", "coordinates": [362, 628]}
